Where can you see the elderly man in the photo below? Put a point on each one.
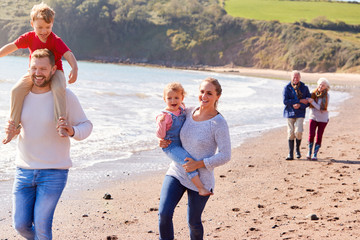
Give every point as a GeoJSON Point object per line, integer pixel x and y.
{"type": "Point", "coordinates": [295, 96]}
{"type": "Point", "coordinates": [43, 157]}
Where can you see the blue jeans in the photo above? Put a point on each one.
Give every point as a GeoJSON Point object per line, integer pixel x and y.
{"type": "Point", "coordinates": [176, 152]}
{"type": "Point", "coordinates": [36, 193]}
{"type": "Point", "coordinates": [171, 193]}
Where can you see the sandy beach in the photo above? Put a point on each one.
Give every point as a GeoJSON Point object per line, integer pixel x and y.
{"type": "Point", "coordinates": [258, 194]}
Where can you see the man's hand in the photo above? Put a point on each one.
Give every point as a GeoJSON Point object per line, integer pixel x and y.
{"type": "Point", "coordinates": [63, 125]}
{"type": "Point", "coordinates": [296, 106]}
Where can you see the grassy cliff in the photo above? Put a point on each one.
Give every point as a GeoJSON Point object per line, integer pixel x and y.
{"type": "Point", "coordinates": [293, 11]}
{"type": "Point", "coordinates": [189, 33]}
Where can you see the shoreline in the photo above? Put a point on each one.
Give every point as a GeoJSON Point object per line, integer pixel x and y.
{"type": "Point", "coordinates": [258, 195]}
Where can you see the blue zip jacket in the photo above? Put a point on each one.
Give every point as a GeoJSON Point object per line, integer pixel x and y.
{"type": "Point", "coordinates": [290, 98]}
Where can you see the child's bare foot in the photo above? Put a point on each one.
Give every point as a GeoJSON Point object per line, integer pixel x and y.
{"type": "Point", "coordinates": [204, 192]}
{"type": "Point", "coordinates": [62, 132]}
{"type": "Point", "coordinates": [9, 137]}
{"type": "Point", "coordinates": [11, 131]}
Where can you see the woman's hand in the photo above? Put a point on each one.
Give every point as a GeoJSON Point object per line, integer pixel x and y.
{"type": "Point", "coordinates": [191, 165]}
{"type": "Point", "coordinates": [163, 143]}
{"type": "Point", "coordinates": [310, 100]}
{"type": "Point", "coordinates": [304, 101]}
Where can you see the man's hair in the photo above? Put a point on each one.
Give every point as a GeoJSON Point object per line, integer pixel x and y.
{"type": "Point", "coordinates": [42, 11]}
{"type": "Point", "coordinates": [295, 72]}
{"type": "Point", "coordinates": [44, 53]}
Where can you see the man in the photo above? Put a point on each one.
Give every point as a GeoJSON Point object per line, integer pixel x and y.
{"type": "Point", "coordinates": [295, 96]}
{"type": "Point", "coordinates": [43, 157]}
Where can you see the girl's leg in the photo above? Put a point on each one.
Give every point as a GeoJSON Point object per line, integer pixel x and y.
{"type": "Point", "coordinates": [171, 193]}
{"type": "Point", "coordinates": [200, 186]}
{"type": "Point", "coordinates": [18, 93]}
{"type": "Point", "coordinates": [177, 153]}
{"type": "Point", "coordinates": [58, 88]}
{"type": "Point", "coordinates": [196, 205]}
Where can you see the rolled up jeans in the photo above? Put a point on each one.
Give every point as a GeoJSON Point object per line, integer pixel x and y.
{"type": "Point", "coordinates": [36, 193]}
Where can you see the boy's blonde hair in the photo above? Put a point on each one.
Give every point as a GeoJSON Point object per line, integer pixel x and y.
{"type": "Point", "coordinates": [42, 11]}
{"type": "Point", "coordinates": [174, 86]}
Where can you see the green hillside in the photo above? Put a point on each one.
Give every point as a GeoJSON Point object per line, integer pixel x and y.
{"type": "Point", "coordinates": [287, 11]}
{"type": "Point", "coordinates": [190, 33]}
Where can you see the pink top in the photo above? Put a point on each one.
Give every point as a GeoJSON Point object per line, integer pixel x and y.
{"type": "Point", "coordinates": [53, 43]}
{"type": "Point", "coordinates": [165, 125]}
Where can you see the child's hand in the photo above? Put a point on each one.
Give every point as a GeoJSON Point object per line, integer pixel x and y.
{"type": "Point", "coordinates": [161, 118]}
{"type": "Point", "coordinates": [73, 76]}
{"type": "Point", "coordinates": [163, 143]}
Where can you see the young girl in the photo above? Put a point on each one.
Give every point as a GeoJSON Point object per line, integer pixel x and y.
{"type": "Point", "coordinates": [169, 123]}
{"type": "Point", "coordinates": [319, 115]}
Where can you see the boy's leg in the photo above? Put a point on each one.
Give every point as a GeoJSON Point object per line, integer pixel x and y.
{"type": "Point", "coordinates": [18, 93]}
{"type": "Point", "coordinates": [58, 88]}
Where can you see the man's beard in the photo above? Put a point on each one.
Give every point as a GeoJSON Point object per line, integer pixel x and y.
{"type": "Point", "coordinates": [45, 83]}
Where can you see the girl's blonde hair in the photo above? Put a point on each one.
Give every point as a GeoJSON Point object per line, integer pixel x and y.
{"type": "Point", "coordinates": [174, 86]}
{"type": "Point", "coordinates": [42, 11]}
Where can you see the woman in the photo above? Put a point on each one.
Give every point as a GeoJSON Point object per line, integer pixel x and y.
{"type": "Point", "coordinates": [319, 115]}
{"type": "Point", "coordinates": [204, 131]}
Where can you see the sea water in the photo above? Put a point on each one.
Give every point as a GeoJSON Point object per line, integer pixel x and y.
{"type": "Point", "coordinates": [122, 102]}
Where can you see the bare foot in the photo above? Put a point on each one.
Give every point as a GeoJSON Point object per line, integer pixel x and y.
{"type": "Point", "coordinates": [62, 132]}
{"type": "Point", "coordinates": [9, 137]}
{"type": "Point", "coordinates": [204, 192]}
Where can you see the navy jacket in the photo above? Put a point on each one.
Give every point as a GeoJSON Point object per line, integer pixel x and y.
{"type": "Point", "coordinates": [290, 98]}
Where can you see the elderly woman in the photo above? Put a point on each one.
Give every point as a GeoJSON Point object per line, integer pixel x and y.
{"type": "Point", "coordinates": [205, 136]}
{"type": "Point", "coordinates": [319, 115]}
